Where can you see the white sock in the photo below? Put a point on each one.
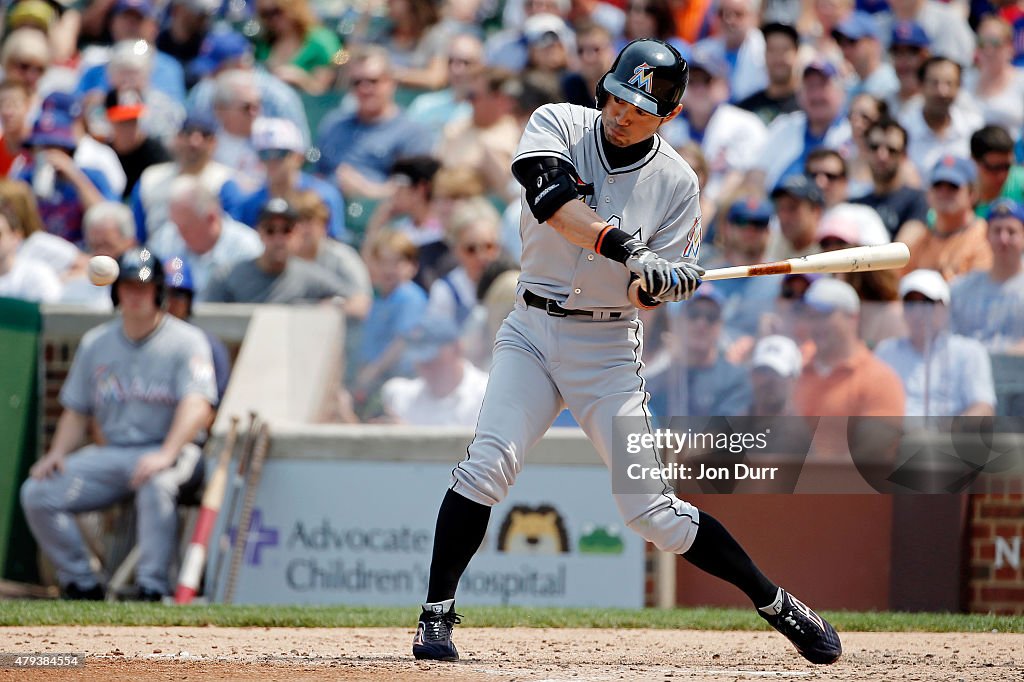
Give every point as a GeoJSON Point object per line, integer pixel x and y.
{"type": "Point", "coordinates": [440, 606]}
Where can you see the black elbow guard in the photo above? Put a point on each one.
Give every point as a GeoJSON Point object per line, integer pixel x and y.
{"type": "Point", "coordinates": [550, 183]}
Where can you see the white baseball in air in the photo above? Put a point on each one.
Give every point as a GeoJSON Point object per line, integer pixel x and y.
{"type": "Point", "coordinates": [103, 270]}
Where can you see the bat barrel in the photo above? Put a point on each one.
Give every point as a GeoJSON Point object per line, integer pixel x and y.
{"type": "Point", "coordinates": [855, 259]}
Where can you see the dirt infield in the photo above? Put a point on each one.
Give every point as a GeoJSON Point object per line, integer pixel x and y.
{"type": "Point", "coordinates": [504, 655]}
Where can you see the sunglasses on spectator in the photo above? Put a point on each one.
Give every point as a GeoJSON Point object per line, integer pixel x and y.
{"type": "Point", "coordinates": [356, 82]}
{"type": "Point", "coordinates": [273, 154]}
{"type": "Point", "coordinates": [272, 230]}
{"type": "Point", "coordinates": [583, 50]}
{"type": "Point", "coordinates": [459, 61]}
{"type": "Point", "coordinates": [831, 177]}
{"type": "Point", "coordinates": [482, 247]}
{"type": "Point", "coordinates": [755, 224]}
{"type": "Point", "coordinates": [179, 294]}
{"type": "Point", "coordinates": [271, 13]}
{"type": "Point", "coordinates": [248, 107]}
{"type": "Point", "coordinates": [833, 243]}
{"type": "Point", "coordinates": [791, 294]}
{"type": "Point", "coordinates": [996, 167]}
{"type": "Point", "coordinates": [709, 315]}
{"type": "Point", "coordinates": [202, 131]}
{"type": "Point", "coordinates": [28, 66]}
{"type": "Point", "coordinates": [991, 42]}
{"type": "Point", "coordinates": [875, 146]}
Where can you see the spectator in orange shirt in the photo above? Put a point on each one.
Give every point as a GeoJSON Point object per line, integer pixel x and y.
{"type": "Point", "coordinates": [958, 243]}
{"type": "Point", "coordinates": [844, 378]}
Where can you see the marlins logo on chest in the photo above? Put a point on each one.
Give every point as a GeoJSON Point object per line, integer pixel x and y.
{"type": "Point", "coordinates": [643, 77]}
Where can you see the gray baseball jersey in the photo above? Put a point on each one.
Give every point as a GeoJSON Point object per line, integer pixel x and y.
{"type": "Point", "coordinates": [543, 363]}
{"type": "Point", "coordinates": [655, 200]}
{"type": "Point", "coordinates": [132, 388]}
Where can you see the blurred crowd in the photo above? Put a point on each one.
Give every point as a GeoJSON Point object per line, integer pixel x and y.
{"type": "Point", "coordinates": [357, 154]}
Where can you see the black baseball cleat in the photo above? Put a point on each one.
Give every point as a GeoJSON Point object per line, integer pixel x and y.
{"type": "Point", "coordinates": [811, 634]}
{"type": "Point", "coordinates": [433, 640]}
{"type": "Point", "coordinates": [75, 592]}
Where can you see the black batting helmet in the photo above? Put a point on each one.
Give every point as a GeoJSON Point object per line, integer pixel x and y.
{"type": "Point", "coordinates": [648, 74]}
{"type": "Point", "coordinates": [139, 265]}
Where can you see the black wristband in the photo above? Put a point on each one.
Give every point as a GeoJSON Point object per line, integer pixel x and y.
{"type": "Point", "coordinates": [616, 244]}
{"type": "Point", "coordinates": [646, 300]}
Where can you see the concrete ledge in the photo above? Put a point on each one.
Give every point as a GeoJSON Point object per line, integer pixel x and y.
{"type": "Point", "coordinates": [388, 442]}
{"type": "Point", "coordinates": [226, 321]}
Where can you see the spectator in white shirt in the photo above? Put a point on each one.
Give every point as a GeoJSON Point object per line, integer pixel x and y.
{"type": "Point", "coordinates": [939, 128]}
{"type": "Point", "coordinates": [23, 278]}
{"type": "Point", "coordinates": [202, 234]}
{"type": "Point", "coordinates": [447, 390]}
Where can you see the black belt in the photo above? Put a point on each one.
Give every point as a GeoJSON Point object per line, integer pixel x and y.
{"type": "Point", "coordinates": [554, 310]}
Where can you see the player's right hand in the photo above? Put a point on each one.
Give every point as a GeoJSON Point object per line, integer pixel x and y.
{"type": "Point", "coordinates": [688, 276]}
{"type": "Point", "coordinates": [657, 275]}
{"type": "Point", "coordinates": [48, 465]}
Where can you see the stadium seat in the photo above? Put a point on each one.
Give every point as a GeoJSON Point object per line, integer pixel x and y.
{"type": "Point", "coordinates": [1008, 374]}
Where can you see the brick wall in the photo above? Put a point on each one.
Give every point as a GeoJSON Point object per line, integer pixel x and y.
{"type": "Point", "coordinates": [997, 553]}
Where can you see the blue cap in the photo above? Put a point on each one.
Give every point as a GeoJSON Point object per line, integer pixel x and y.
{"type": "Point", "coordinates": [954, 170]}
{"type": "Point", "coordinates": [425, 340]}
{"type": "Point", "coordinates": [219, 47]}
{"type": "Point", "coordinates": [143, 7]}
{"type": "Point", "coordinates": [706, 58]}
{"type": "Point", "coordinates": [801, 187]}
{"type": "Point", "coordinates": [750, 210]}
{"type": "Point", "coordinates": [822, 66]}
{"type": "Point", "coordinates": [197, 120]}
{"type": "Point", "coordinates": [708, 291]}
{"type": "Point", "coordinates": [62, 101]}
{"type": "Point", "coordinates": [178, 275]}
{"type": "Point", "coordinates": [53, 128]}
{"type": "Point", "coordinates": [908, 33]}
{"type": "Point", "coordinates": [856, 26]}
{"type": "Point", "coordinates": [1003, 208]}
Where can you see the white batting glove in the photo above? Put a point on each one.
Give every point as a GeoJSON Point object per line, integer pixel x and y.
{"type": "Point", "coordinates": [688, 278]}
{"type": "Point", "coordinates": [657, 275]}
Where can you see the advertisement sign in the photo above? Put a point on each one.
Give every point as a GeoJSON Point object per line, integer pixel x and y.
{"type": "Point", "coordinates": [361, 532]}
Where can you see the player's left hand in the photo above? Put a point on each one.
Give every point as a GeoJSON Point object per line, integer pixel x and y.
{"type": "Point", "coordinates": [688, 278]}
{"type": "Point", "coordinates": [149, 465]}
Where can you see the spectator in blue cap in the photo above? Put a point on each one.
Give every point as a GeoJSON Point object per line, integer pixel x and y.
{"type": "Point", "coordinates": [946, 26]}
{"type": "Point", "coordinates": [818, 123]}
{"type": "Point", "coordinates": [89, 152]}
{"type": "Point", "coordinates": [742, 238]}
{"type": "Point", "coordinates": [447, 390]}
{"type": "Point", "coordinates": [731, 136]}
{"type": "Point", "coordinates": [192, 154]}
{"type": "Point", "coordinates": [956, 244]}
{"type": "Point", "coordinates": [988, 304]}
{"type": "Point", "coordinates": [63, 189]}
{"type": "Point", "coordinates": [699, 381]}
{"type": "Point", "coordinates": [909, 47]}
{"type": "Point", "coordinates": [799, 203]}
{"type": "Point", "coordinates": [180, 291]}
{"type": "Point", "coordinates": [135, 20]}
{"type": "Point", "coordinates": [857, 37]}
{"type": "Point", "coordinates": [223, 50]}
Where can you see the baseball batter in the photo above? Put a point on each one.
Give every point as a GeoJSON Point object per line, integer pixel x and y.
{"type": "Point", "coordinates": [147, 378]}
{"type": "Point", "coordinates": [611, 221]}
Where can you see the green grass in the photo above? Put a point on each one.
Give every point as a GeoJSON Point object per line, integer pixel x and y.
{"type": "Point", "coordinates": [126, 613]}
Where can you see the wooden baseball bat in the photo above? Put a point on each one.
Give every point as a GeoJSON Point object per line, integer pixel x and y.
{"type": "Point", "coordinates": [195, 556]}
{"type": "Point", "coordinates": [252, 484]}
{"type": "Point", "coordinates": [223, 545]}
{"type": "Point", "coordinates": [855, 259]}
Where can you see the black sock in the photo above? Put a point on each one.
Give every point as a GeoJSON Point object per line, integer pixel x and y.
{"type": "Point", "coordinates": [461, 526]}
{"type": "Point", "coordinates": [715, 551]}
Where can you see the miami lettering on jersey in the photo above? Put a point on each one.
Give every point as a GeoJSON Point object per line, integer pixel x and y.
{"type": "Point", "coordinates": [109, 388]}
{"type": "Point", "coordinates": [643, 77]}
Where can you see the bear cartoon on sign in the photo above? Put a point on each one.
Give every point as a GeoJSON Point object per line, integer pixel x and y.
{"type": "Point", "coordinates": [533, 530]}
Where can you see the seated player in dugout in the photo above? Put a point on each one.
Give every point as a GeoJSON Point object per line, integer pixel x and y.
{"type": "Point", "coordinates": [611, 222]}
{"type": "Point", "coordinates": [148, 380]}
